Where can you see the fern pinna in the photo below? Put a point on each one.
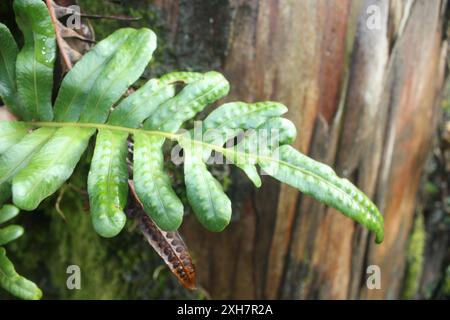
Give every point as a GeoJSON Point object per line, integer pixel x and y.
{"type": "Point", "coordinates": [39, 152]}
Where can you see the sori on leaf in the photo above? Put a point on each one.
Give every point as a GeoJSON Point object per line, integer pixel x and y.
{"type": "Point", "coordinates": [39, 152]}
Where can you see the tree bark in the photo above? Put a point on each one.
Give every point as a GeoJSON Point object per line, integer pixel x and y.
{"type": "Point", "coordinates": [364, 95]}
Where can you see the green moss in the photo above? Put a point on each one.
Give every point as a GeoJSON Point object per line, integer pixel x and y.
{"type": "Point", "coordinates": [446, 286]}
{"type": "Point", "coordinates": [414, 259]}
{"type": "Point", "coordinates": [77, 244]}
{"type": "Point", "coordinates": [150, 17]}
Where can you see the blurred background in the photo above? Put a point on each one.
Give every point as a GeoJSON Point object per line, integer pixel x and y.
{"type": "Point", "coordinates": [366, 83]}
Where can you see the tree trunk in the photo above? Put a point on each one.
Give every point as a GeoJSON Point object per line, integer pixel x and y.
{"type": "Point", "coordinates": [362, 80]}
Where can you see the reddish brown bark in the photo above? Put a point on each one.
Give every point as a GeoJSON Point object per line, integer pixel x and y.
{"type": "Point", "coordinates": [364, 101]}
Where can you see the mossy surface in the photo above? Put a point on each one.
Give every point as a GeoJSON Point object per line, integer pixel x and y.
{"type": "Point", "coordinates": [414, 259]}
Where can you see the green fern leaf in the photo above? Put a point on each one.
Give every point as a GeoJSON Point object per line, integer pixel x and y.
{"type": "Point", "coordinates": [205, 194]}
{"type": "Point", "coordinates": [8, 87]}
{"type": "Point", "coordinates": [125, 67]}
{"type": "Point", "coordinates": [321, 182]}
{"type": "Point", "coordinates": [77, 84]}
{"type": "Point", "coordinates": [108, 182]}
{"type": "Point", "coordinates": [8, 212]}
{"type": "Point", "coordinates": [10, 233]}
{"type": "Point", "coordinates": [11, 281]}
{"type": "Point", "coordinates": [34, 65]}
{"type": "Point", "coordinates": [153, 185]}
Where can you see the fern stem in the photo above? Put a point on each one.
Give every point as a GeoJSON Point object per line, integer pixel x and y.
{"type": "Point", "coordinates": [168, 135]}
{"type": "Point", "coordinates": [180, 138]}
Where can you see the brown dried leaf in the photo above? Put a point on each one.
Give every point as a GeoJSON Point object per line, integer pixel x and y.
{"type": "Point", "coordinates": [169, 245]}
{"type": "Point", "coordinates": [72, 43]}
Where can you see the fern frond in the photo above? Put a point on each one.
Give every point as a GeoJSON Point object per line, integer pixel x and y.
{"type": "Point", "coordinates": [35, 162]}
{"type": "Point", "coordinates": [48, 156]}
